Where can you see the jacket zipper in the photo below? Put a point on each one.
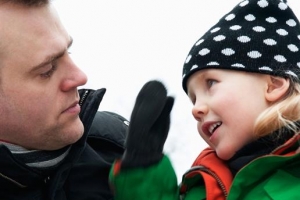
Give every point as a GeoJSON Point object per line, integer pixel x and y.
{"type": "Point", "coordinates": [82, 99]}
{"type": "Point", "coordinates": [206, 170]}
{"type": "Point", "coordinates": [13, 181]}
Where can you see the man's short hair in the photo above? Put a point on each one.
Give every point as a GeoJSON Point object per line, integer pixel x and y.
{"type": "Point", "coordinates": [27, 2]}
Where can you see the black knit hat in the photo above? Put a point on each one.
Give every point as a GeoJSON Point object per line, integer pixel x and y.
{"type": "Point", "coordinates": [261, 36]}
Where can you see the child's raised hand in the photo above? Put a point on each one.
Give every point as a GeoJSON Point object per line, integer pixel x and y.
{"type": "Point", "coordinates": [149, 126]}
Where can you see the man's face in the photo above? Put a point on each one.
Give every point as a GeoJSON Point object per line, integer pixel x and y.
{"type": "Point", "coordinates": [38, 79]}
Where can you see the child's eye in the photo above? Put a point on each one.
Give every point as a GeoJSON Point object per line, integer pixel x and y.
{"type": "Point", "coordinates": [50, 72]}
{"type": "Point", "coordinates": [70, 50]}
{"type": "Point", "coordinates": [193, 100]}
{"type": "Point", "coordinates": [210, 82]}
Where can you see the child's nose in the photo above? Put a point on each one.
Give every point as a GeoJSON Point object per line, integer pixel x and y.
{"type": "Point", "coordinates": [199, 110]}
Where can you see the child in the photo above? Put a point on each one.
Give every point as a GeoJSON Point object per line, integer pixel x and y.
{"type": "Point", "coordinates": [242, 77]}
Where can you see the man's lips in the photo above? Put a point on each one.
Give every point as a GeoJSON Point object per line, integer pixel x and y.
{"type": "Point", "coordinates": [208, 128]}
{"type": "Point", "coordinates": [73, 108]}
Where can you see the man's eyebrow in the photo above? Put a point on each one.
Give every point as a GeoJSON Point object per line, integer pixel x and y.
{"type": "Point", "coordinates": [53, 57]}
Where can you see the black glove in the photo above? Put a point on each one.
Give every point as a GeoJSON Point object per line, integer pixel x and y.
{"type": "Point", "coordinates": [149, 126]}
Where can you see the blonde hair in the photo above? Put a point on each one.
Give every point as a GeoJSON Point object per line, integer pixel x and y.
{"type": "Point", "coordinates": [284, 113]}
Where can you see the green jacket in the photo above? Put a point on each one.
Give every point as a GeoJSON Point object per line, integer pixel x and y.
{"type": "Point", "coordinates": [273, 176]}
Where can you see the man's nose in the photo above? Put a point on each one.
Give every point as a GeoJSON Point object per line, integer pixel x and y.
{"type": "Point", "coordinates": [74, 77]}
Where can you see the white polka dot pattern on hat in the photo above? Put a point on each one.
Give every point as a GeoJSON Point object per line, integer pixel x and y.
{"type": "Point", "coordinates": [293, 48]}
{"type": "Point", "coordinates": [188, 59]}
{"type": "Point", "coordinates": [244, 3]}
{"type": "Point", "coordinates": [259, 29]}
{"type": "Point", "coordinates": [280, 58]}
{"type": "Point", "coordinates": [263, 3]}
{"type": "Point", "coordinates": [238, 65]}
{"type": "Point", "coordinates": [235, 27]}
{"type": "Point", "coordinates": [291, 73]}
{"type": "Point", "coordinates": [254, 54]}
{"type": "Point", "coordinates": [199, 42]}
{"type": "Point", "coordinates": [271, 20]}
{"type": "Point", "coordinates": [265, 68]}
{"type": "Point", "coordinates": [230, 17]}
{"type": "Point", "coordinates": [219, 38]}
{"type": "Point", "coordinates": [244, 39]}
{"type": "Point", "coordinates": [215, 30]}
{"type": "Point", "coordinates": [282, 32]}
{"type": "Point", "coordinates": [203, 52]}
{"type": "Point", "coordinates": [270, 42]}
{"type": "Point", "coordinates": [194, 67]}
{"type": "Point", "coordinates": [228, 52]}
{"type": "Point", "coordinates": [282, 6]}
{"type": "Point", "coordinates": [291, 22]}
{"type": "Point", "coordinates": [260, 36]}
{"type": "Point", "coordinates": [250, 17]}
{"type": "Point", "coordinates": [213, 63]}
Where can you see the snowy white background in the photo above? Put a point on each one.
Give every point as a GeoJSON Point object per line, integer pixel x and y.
{"type": "Point", "coordinates": [122, 44]}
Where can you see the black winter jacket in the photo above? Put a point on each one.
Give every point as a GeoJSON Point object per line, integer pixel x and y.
{"type": "Point", "coordinates": [83, 175]}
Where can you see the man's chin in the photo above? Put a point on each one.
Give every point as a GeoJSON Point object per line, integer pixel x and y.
{"type": "Point", "coordinates": [75, 133]}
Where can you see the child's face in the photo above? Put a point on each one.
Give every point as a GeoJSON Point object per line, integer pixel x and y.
{"type": "Point", "coordinates": [226, 104]}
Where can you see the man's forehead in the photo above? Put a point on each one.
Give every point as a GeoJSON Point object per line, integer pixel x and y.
{"type": "Point", "coordinates": [34, 32]}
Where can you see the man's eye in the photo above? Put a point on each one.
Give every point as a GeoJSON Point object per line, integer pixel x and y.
{"type": "Point", "coordinates": [50, 72]}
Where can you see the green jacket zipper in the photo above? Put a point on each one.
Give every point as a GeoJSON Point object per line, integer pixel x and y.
{"type": "Point", "coordinates": [216, 177]}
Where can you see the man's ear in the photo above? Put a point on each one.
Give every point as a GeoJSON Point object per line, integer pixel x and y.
{"type": "Point", "coordinates": [277, 88]}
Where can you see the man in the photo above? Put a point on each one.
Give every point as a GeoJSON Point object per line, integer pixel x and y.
{"type": "Point", "coordinates": [46, 150]}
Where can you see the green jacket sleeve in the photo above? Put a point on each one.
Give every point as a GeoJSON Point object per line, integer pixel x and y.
{"type": "Point", "coordinates": [157, 182]}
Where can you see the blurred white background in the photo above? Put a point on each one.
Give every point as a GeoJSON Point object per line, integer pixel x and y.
{"type": "Point", "coordinates": [122, 44]}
